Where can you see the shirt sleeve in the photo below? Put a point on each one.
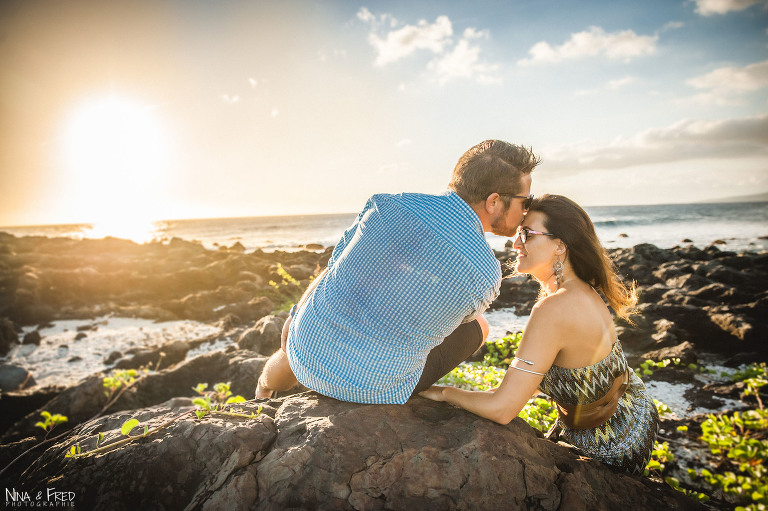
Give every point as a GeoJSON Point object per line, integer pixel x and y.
{"type": "Point", "coordinates": [485, 301]}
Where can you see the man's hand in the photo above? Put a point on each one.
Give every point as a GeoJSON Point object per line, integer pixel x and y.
{"type": "Point", "coordinates": [284, 336]}
{"type": "Point", "coordinates": [435, 393]}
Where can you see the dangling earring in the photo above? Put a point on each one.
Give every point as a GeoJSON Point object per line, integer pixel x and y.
{"type": "Point", "coordinates": [558, 268]}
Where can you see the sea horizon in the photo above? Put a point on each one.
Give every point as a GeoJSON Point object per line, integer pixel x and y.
{"type": "Point", "coordinates": [763, 197]}
{"type": "Point", "coordinates": [737, 225]}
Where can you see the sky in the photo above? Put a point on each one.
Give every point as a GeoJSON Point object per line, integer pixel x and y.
{"type": "Point", "coordinates": [167, 109]}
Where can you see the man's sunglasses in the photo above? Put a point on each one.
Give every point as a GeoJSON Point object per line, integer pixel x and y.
{"type": "Point", "coordinates": [527, 199]}
{"type": "Point", "coordinates": [524, 233]}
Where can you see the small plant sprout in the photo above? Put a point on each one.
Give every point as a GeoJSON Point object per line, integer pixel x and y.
{"type": "Point", "coordinates": [210, 402]}
{"type": "Point", "coordinates": [213, 401]}
{"type": "Point", "coordinates": [128, 426]}
{"type": "Point", "coordinates": [50, 421]}
{"type": "Point", "coordinates": [662, 408]}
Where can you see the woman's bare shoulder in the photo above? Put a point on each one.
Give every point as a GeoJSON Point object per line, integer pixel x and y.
{"type": "Point", "coordinates": [564, 308]}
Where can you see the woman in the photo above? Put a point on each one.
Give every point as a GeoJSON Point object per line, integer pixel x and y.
{"type": "Point", "coordinates": [569, 349]}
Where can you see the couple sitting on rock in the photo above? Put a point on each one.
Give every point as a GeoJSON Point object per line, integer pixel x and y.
{"type": "Point", "coordinates": [400, 305]}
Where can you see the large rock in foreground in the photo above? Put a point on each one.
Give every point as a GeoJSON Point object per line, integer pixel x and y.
{"type": "Point", "coordinates": [313, 452]}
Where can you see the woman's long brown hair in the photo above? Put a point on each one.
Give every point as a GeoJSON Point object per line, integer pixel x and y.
{"type": "Point", "coordinates": [571, 224]}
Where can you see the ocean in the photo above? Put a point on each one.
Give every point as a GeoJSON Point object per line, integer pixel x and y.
{"type": "Point", "coordinates": [741, 225]}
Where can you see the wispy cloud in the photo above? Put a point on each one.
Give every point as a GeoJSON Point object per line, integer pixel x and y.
{"type": "Point", "coordinates": [451, 61]}
{"type": "Point", "coordinates": [620, 83]}
{"type": "Point", "coordinates": [612, 85]}
{"type": "Point", "coordinates": [712, 7]}
{"type": "Point", "coordinates": [589, 43]}
{"type": "Point", "coordinates": [673, 25]}
{"type": "Point", "coordinates": [400, 43]}
{"type": "Point", "coordinates": [230, 100]}
{"type": "Point", "coordinates": [684, 140]}
{"type": "Point", "coordinates": [463, 61]}
{"type": "Point", "coordinates": [726, 84]}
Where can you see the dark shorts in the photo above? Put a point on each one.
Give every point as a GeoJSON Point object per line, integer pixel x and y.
{"type": "Point", "coordinates": [454, 350]}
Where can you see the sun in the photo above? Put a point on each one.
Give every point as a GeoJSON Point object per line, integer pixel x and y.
{"type": "Point", "coordinates": [116, 158]}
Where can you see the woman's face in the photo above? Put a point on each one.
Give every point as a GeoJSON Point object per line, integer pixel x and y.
{"type": "Point", "coordinates": [537, 255]}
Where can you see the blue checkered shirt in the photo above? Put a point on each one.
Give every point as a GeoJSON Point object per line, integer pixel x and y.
{"type": "Point", "coordinates": [407, 272]}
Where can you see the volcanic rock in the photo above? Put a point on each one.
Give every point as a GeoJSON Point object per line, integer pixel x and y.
{"type": "Point", "coordinates": [314, 452]}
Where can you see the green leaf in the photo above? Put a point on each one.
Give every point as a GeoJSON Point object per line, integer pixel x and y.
{"type": "Point", "coordinates": [128, 426]}
{"type": "Point", "coordinates": [236, 399]}
{"type": "Point", "coordinates": [202, 403]}
{"type": "Point", "coordinates": [100, 439]}
{"type": "Point", "coordinates": [45, 415]}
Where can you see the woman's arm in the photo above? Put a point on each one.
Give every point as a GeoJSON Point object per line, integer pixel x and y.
{"type": "Point", "coordinates": [540, 345]}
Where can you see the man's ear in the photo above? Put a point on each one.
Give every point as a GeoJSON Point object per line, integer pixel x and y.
{"type": "Point", "coordinates": [492, 203]}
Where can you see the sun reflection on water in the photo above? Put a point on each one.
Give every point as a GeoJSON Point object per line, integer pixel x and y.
{"type": "Point", "coordinates": [137, 230]}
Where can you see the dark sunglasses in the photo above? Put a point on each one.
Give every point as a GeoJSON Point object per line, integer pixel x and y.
{"type": "Point", "coordinates": [527, 199]}
{"type": "Point", "coordinates": [524, 233]}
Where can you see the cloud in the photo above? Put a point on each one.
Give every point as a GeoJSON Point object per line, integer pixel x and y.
{"type": "Point", "coordinates": [725, 84]}
{"type": "Point", "coordinates": [610, 86]}
{"type": "Point", "coordinates": [451, 61]}
{"type": "Point", "coordinates": [621, 82]}
{"type": "Point", "coordinates": [684, 140]}
{"type": "Point", "coordinates": [463, 61]}
{"type": "Point", "coordinates": [230, 100]}
{"type": "Point", "coordinates": [589, 43]}
{"type": "Point", "coordinates": [396, 44]}
{"type": "Point", "coordinates": [673, 25]}
{"type": "Point", "coordinates": [712, 7]}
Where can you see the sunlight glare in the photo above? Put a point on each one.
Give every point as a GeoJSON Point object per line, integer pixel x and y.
{"type": "Point", "coordinates": [116, 157]}
{"type": "Point", "coordinates": [140, 231]}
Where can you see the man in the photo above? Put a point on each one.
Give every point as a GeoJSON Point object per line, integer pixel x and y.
{"type": "Point", "coordinates": [401, 301]}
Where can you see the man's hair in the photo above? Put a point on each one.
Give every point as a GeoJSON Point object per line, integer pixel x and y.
{"type": "Point", "coordinates": [491, 166]}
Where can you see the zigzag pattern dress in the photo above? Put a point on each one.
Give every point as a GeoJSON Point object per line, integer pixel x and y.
{"type": "Point", "coordinates": [627, 439]}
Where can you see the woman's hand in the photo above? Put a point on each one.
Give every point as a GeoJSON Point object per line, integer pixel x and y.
{"type": "Point", "coordinates": [435, 393]}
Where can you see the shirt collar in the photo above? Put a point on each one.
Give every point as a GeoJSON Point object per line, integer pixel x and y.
{"type": "Point", "coordinates": [461, 204]}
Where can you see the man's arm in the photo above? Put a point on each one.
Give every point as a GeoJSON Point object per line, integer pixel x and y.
{"type": "Point", "coordinates": [310, 288]}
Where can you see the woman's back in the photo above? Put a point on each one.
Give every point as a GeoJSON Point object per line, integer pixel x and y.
{"type": "Point", "coordinates": [586, 327]}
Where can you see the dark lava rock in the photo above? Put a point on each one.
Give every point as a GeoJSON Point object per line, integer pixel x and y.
{"type": "Point", "coordinates": [318, 453]}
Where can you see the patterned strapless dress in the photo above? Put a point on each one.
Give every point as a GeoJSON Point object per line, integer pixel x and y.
{"type": "Point", "coordinates": [626, 440]}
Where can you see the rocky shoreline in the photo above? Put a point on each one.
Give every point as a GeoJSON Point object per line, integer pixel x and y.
{"type": "Point", "coordinates": [694, 304]}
